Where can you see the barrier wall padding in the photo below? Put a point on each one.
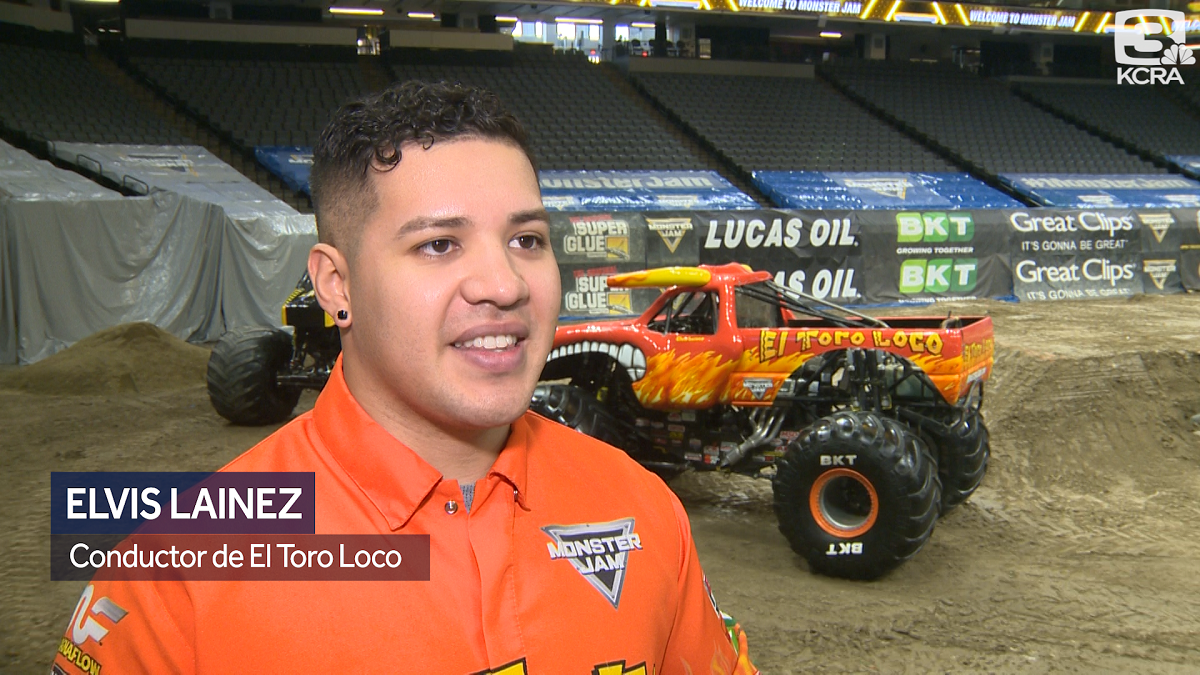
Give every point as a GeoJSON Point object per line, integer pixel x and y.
{"type": "Point", "coordinates": [879, 190]}
{"type": "Point", "coordinates": [291, 164]}
{"type": "Point", "coordinates": [1085, 191]}
{"type": "Point", "coordinates": [890, 257]}
{"type": "Point", "coordinates": [639, 191]}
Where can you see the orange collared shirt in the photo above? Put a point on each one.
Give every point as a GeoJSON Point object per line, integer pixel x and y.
{"type": "Point", "coordinates": [498, 600]}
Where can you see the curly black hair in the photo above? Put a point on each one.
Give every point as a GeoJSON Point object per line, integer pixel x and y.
{"type": "Point", "coordinates": [369, 134]}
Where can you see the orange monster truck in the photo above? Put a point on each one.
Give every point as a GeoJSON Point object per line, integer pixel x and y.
{"type": "Point", "coordinates": [869, 428]}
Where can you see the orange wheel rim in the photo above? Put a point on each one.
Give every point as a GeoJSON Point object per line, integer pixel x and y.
{"type": "Point", "coordinates": [835, 501]}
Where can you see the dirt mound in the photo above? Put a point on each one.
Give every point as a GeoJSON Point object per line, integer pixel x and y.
{"type": "Point", "coordinates": [135, 357]}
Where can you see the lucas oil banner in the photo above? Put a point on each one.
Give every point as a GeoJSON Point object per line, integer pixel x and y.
{"type": "Point", "coordinates": [814, 252]}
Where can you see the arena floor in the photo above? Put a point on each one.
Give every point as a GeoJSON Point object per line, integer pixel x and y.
{"type": "Point", "coordinates": [1080, 552]}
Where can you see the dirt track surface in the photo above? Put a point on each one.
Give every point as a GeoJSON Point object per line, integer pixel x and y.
{"type": "Point", "coordinates": [1080, 552]}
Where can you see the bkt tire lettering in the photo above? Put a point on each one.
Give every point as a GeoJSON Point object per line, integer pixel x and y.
{"type": "Point", "coordinates": [838, 460]}
{"type": "Point", "coordinates": [845, 548]}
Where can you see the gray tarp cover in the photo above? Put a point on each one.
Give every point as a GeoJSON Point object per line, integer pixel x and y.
{"type": "Point", "coordinates": [205, 251]}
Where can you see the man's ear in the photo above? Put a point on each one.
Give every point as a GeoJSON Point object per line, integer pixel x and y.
{"type": "Point", "coordinates": [329, 273]}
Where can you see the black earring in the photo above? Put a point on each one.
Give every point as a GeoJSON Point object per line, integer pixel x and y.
{"type": "Point", "coordinates": [342, 315]}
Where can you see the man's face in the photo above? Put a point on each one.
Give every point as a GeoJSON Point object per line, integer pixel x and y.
{"type": "Point", "coordinates": [454, 290]}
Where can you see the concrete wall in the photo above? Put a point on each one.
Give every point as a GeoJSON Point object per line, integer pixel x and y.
{"type": "Point", "coordinates": [35, 17]}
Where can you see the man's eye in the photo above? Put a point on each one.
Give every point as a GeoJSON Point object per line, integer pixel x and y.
{"type": "Point", "coordinates": [529, 241]}
{"type": "Point", "coordinates": [437, 247]}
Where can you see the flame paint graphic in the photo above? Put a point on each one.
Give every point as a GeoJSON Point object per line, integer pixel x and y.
{"type": "Point", "coordinates": [686, 380]}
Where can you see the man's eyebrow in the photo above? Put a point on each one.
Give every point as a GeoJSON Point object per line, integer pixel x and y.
{"type": "Point", "coordinates": [521, 217]}
{"type": "Point", "coordinates": [422, 223]}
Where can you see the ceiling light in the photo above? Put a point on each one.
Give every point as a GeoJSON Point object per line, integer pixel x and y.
{"type": "Point", "coordinates": [357, 11]}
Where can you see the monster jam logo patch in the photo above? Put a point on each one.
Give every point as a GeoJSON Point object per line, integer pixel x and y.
{"type": "Point", "coordinates": [758, 386]}
{"type": "Point", "coordinates": [1158, 271]}
{"type": "Point", "coordinates": [1158, 223]}
{"type": "Point", "coordinates": [672, 230]}
{"type": "Point", "coordinates": [598, 551]}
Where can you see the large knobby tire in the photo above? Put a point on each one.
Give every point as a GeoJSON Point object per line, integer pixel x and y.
{"type": "Point", "coordinates": [962, 459]}
{"type": "Point", "coordinates": [857, 495]}
{"type": "Point", "coordinates": [241, 376]}
{"type": "Point", "coordinates": [576, 408]}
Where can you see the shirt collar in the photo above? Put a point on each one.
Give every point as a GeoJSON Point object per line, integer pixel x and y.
{"type": "Point", "coordinates": [394, 477]}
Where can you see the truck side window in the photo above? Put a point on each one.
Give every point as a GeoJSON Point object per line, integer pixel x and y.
{"type": "Point", "coordinates": [691, 313]}
{"type": "Point", "coordinates": [756, 313]}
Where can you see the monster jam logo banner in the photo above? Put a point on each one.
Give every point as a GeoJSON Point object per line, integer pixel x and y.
{"type": "Point", "coordinates": [814, 252]}
{"type": "Point", "coordinates": [671, 239]}
{"type": "Point", "coordinates": [598, 551]}
{"type": "Point", "coordinates": [600, 237]}
{"type": "Point", "coordinates": [586, 292]}
{"type": "Point", "coordinates": [1060, 255]}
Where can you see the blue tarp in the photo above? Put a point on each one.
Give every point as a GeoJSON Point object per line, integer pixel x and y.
{"type": "Point", "coordinates": [1083, 191]}
{"type": "Point", "coordinates": [291, 164]}
{"type": "Point", "coordinates": [1189, 164]}
{"type": "Point", "coordinates": [879, 190]}
{"type": "Point", "coordinates": [572, 190]}
{"type": "Point", "coordinates": [640, 191]}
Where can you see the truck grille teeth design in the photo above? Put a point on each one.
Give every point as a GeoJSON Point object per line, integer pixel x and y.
{"type": "Point", "coordinates": [631, 358]}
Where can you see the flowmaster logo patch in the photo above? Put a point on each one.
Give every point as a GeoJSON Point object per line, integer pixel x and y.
{"type": "Point", "coordinates": [598, 551]}
{"type": "Point", "coordinates": [1151, 44]}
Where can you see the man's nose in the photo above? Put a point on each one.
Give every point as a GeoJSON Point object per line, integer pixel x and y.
{"type": "Point", "coordinates": [494, 276]}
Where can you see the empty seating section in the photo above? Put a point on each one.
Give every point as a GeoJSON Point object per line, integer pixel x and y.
{"type": "Point", "coordinates": [983, 122]}
{"type": "Point", "coordinates": [577, 117]}
{"type": "Point", "coordinates": [1138, 116]}
{"type": "Point", "coordinates": [777, 123]}
{"type": "Point", "coordinates": [54, 95]}
{"type": "Point", "coordinates": [258, 102]}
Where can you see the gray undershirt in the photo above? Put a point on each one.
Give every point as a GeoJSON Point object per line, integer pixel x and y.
{"type": "Point", "coordinates": [468, 495]}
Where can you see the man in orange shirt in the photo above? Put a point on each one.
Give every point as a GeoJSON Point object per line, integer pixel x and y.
{"type": "Point", "coordinates": [550, 552]}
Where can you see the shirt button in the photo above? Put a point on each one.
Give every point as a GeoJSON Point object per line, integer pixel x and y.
{"type": "Point", "coordinates": [452, 507]}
